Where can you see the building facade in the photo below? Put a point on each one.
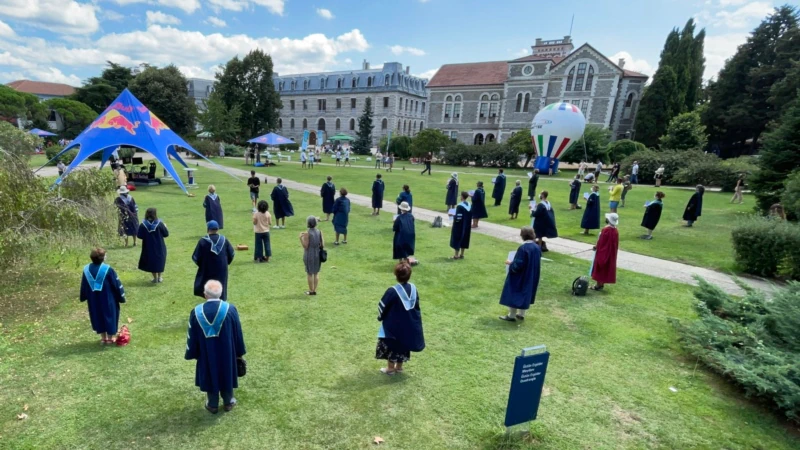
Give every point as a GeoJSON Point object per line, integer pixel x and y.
{"type": "Point", "coordinates": [199, 90]}
{"type": "Point", "coordinates": [489, 101]}
{"type": "Point", "coordinates": [44, 91]}
{"type": "Point", "coordinates": [332, 102]}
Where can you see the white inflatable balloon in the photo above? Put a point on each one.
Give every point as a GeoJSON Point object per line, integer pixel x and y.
{"type": "Point", "coordinates": [555, 127]}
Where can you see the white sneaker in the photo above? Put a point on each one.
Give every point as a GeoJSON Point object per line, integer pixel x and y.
{"type": "Point", "coordinates": [254, 210]}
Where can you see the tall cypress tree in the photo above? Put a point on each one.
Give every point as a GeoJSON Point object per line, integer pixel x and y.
{"type": "Point", "coordinates": [657, 107]}
{"type": "Point", "coordinates": [698, 66]}
{"type": "Point", "coordinates": [364, 136]}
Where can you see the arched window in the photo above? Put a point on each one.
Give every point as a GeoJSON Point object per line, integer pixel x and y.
{"type": "Point", "coordinates": [457, 107]}
{"type": "Point", "coordinates": [483, 106]}
{"type": "Point", "coordinates": [384, 124]}
{"type": "Point", "coordinates": [627, 111]}
{"type": "Point", "coordinates": [570, 77]}
{"type": "Point", "coordinates": [305, 124]}
{"type": "Point", "coordinates": [352, 124]}
{"type": "Point", "coordinates": [321, 124]}
{"type": "Point", "coordinates": [414, 127]}
{"type": "Point", "coordinates": [338, 124]}
{"type": "Point", "coordinates": [494, 105]}
{"type": "Point", "coordinates": [489, 137]}
{"type": "Point", "coordinates": [339, 83]}
{"type": "Point", "coordinates": [629, 101]}
{"type": "Point", "coordinates": [448, 107]}
{"type": "Point", "coordinates": [526, 103]}
{"type": "Point", "coordinates": [580, 77]}
{"type": "Point", "coordinates": [386, 80]}
{"type": "Point", "coordinates": [280, 123]}
{"type": "Point", "coordinates": [369, 81]}
{"type": "Point", "coordinates": [478, 139]}
{"type": "Point", "coordinates": [519, 103]}
{"type": "Point", "coordinates": [406, 104]}
{"type": "Point", "coordinates": [589, 79]}
{"type": "Point", "coordinates": [291, 124]}
{"type": "Point", "coordinates": [354, 83]}
{"type": "Point", "coordinates": [421, 125]}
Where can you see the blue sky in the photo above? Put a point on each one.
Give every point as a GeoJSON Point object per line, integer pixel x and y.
{"type": "Point", "coordinates": [69, 40]}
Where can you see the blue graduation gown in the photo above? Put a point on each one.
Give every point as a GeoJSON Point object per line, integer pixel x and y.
{"type": "Point", "coordinates": [652, 215]}
{"type": "Point", "coordinates": [405, 197]}
{"type": "Point", "coordinates": [532, 182]}
{"type": "Point", "coordinates": [281, 206]}
{"type": "Point", "coordinates": [544, 224]}
{"type": "Point", "coordinates": [479, 204]}
{"type": "Point", "coordinates": [215, 370]}
{"type": "Point", "coordinates": [404, 236]}
{"type": "Point", "coordinates": [377, 193]}
{"type": "Point", "coordinates": [452, 192]}
{"type": "Point", "coordinates": [212, 255]}
{"type": "Point", "coordinates": [213, 209]}
{"type": "Point", "coordinates": [522, 281]}
{"type": "Point", "coordinates": [694, 208]}
{"type": "Point", "coordinates": [499, 188]}
{"type": "Point", "coordinates": [574, 191]}
{"type": "Point", "coordinates": [104, 303]}
{"type": "Point", "coordinates": [402, 328]}
{"type": "Point", "coordinates": [515, 200]}
{"type": "Point", "coordinates": [327, 193]}
{"type": "Point", "coordinates": [341, 214]}
{"type": "Point", "coordinates": [128, 216]}
{"type": "Point", "coordinates": [154, 250]}
{"type": "Point", "coordinates": [462, 227]}
{"type": "Point", "coordinates": [591, 215]}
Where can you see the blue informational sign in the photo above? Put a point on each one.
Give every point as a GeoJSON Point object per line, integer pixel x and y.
{"type": "Point", "coordinates": [526, 386]}
{"type": "Point", "coordinates": [304, 143]}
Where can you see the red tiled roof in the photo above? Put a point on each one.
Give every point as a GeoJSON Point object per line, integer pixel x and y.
{"type": "Point", "coordinates": [470, 74]}
{"type": "Point", "coordinates": [632, 74]}
{"type": "Point", "coordinates": [42, 88]}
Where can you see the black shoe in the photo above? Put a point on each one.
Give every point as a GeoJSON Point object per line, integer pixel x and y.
{"type": "Point", "coordinates": [507, 318]}
{"type": "Point", "coordinates": [211, 410]}
{"type": "Point", "coordinates": [520, 317]}
{"type": "Point", "coordinates": [228, 408]}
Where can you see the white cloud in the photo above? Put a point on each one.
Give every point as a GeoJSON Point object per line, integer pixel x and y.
{"type": "Point", "coordinates": [399, 50]}
{"type": "Point", "coordinates": [744, 16]}
{"type": "Point", "coordinates": [54, 75]}
{"type": "Point", "coordinates": [188, 6]}
{"type": "Point", "coordinates": [63, 16]}
{"type": "Point", "coordinates": [112, 16]}
{"type": "Point", "coordinates": [427, 74]}
{"type": "Point", "coordinates": [520, 53]}
{"type": "Point", "coordinates": [631, 63]}
{"type": "Point", "coordinates": [154, 17]}
{"type": "Point", "coordinates": [5, 30]}
{"type": "Point", "coordinates": [274, 6]}
{"type": "Point", "coordinates": [199, 72]}
{"type": "Point", "coordinates": [216, 22]}
{"type": "Point", "coordinates": [325, 13]}
{"type": "Point", "coordinates": [231, 5]}
{"type": "Point", "coordinates": [7, 59]}
{"type": "Point", "coordinates": [719, 48]}
{"type": "Point", "coordinates": [725, 3]}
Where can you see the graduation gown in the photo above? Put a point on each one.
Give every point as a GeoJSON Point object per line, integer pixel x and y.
{"type": "Point", "coordinates": [215, 370]}
{"type": "Point", "coordinates": [694, 207]}
{"type": "Point", "coordinates": [404, 236]}
{"type": "Point", "coordinates": [281, 206]}
{"type": "Point", "coordinates": [532, 182]}
{"type": "Point", "coordinates": [103, 292]}
{"type": "Point", "coordinates": [574, 192]}
{"type": "Point", "coordinates": [154, 250]}
{"type": "Point", "coordinates": [377, 193]}
{"type": "Point", "coordinates": [401, 319]}
{"type": "Point", "coordinates": [128, 216]}
{"type": "Point", "coordinates": [212, 255]}
{"type": "Point", "coordinates": [452, 192]}
{"type": "Point", "coordinates": [328, 192]}
{"type": "Point", "coordinates": [515, 200]}
{"type": "Point", "coordinates": [591, 215]}
{"type": "Point", "coordinates": [341, 214]}
{"type": "Point", "coordinates": [652, 214]}
{"type": "Point", "coordinates": [479, 204]}
{"type": "Point", "coordinates": [544, 221]}
{"type": "Point", "coordinates": [604, 267]}
{"type": "Point", "coordinates": [213, 209]}
{"type": "Point", "coordinates": [499, 188]}
{"type": "Point", "coordinates": [462, 227]}
{"type": "Point", "coordinates": [405, 197]}
{"type": "Point", "coordinates": [522, 280]}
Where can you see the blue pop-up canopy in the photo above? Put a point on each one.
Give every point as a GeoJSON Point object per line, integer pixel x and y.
{"type": "Point", "coordinates": [128, 122]}
{"type": "Point", "coordinates": [39, 132]}
{"type": "Point", "coordinates": [271, 139]}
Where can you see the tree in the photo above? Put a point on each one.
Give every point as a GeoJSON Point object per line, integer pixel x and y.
{"type": "Point", "coordinates": [400, 146]}
{"type": "Point", "coordinates": [686, 131]}
{"type": "Point", "coordinates": [780, 155]}
{"type": "Point", "coordinates": [429, 140]}
{"type": "Point", "coordinates": [657, 107]}
{"type": "Point", "coordinates": [221, 121]}
{"type": "Point", "coordinates": [596, 139]}
{"type": "Point", "coordinates": [76, 115]}
{"type": "Point", "coordinates": [621, 149]}
{"type": "Point", "coordinates": [785, 91]}
{"type": "Point", "coordinates": [15, 104]}
{"type": "Point", "coordinates": [164, 92]}
{"type": "Point", "coordinates": [363, 141]}
{"type": "Point", "coordinates": [248, 83]}
{"type": "Point", "coordinates": [521, 143]}
{"type": "Point", "coordinates": [99, 92]}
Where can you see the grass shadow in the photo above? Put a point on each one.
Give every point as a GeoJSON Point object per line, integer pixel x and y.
{"type": "Point", "coordinates": [78, 348]}
{"type": "Point", "coordinates": [367, 380]}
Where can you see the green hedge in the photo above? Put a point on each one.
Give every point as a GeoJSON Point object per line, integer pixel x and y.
{"type": "Point", "coordinates": [53, 150]}
{"type": "Point", "coordinates": [293, 146]}
{"type": "Point", "coordinates": [767, 247]}
{"type": "Point", "coordinates": [689, 167]}
{"type": "Point", "coordinates": [234, 150]}
{"type": "Point", "coordinates": [490, 154]}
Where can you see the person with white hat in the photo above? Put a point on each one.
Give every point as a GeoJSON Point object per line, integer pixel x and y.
{"type": "Point", "coordinates": [128, 214]}
{"type": "Point", "coordinates": [404, 235]}
{"type": "Point", "coordinates": [604, 265]}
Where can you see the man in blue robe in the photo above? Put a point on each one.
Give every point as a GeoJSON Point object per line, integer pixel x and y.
{"type": "Point", "coordinates": [499, 187]}
{"type": "Point", "coordinates": [462, 227]}
{"type": "Point", "coordinates": [544, 221]}
{"type": "Point", "coordinates": [213, 207]}
{"type": "Point", "coordinates": [328, 192]}
{"type": "Point", "coordinates": [479, 205]}
{"type": "Point", "coordinates": [152, 232]}
{"type": "Point", "coordinates": [128, 214]}
{"type": "Point", "coordinates": [522, 280]}
{"type": "Point", "coordinates": [103, 292]}
{"type": "Point", "coordinates": [281, 206]}
{"type": "Point", "coordinates": [452, 191]}
{"type": "Point", "coordinates": [216, 341]}
{"type": "Point", "coordinates": [377, 195]}
{"type": "Point", "coordinates": [212, 255]}
{"type": "Point", "coordinates": [405, 236]}
{"type": "Point", "coordinates": [515, 200]}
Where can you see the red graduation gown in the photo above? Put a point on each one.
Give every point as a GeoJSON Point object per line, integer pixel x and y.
{"type": "Point", "coordinates": [604, 269]}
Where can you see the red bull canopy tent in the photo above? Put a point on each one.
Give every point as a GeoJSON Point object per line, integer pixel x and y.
{"type": "Point", "coordinates": [271, 139]}
{"type": "Point", "coordinates": [128, 122]}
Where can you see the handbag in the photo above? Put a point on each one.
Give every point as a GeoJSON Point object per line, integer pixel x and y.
{"type": "Point", "coordinates": [580, 286]}
{"type": "Point", "coordinates": [241, 367]}
{"type": "Point", "coordinates": [323, 255]}
{"type": "Point", "coordinates": [437, 222]}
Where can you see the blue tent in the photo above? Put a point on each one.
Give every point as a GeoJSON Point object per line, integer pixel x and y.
{"type": "Point", "coordinates": [128, 122]}
{"type": "Point", "coordinates": [271, 139]}
{"type": "Point", "coordinates": [39, 132]}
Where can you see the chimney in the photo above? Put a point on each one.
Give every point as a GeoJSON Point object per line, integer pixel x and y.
{"type": "Point", "coordinates": [365, 65]}
{"type": "Point", "coordinates": [408, 70]}
{"type": "Point", "coordinates": [538, 41]}
{"type": "Point", "coordinates": [621, 63]}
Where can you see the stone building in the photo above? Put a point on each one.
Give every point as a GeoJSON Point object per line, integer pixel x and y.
{"type": "Point", "coordinates": [489, 101]}
{"type": "Point", "coordinates": [199, 90]}
{"type": "Point", "coordinates": [333, 101]}
{"type": "Point", "coordinates": [44, 91]}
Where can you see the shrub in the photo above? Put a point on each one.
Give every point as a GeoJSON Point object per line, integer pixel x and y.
{"type": "Point", "coordinates": [292, 146]}
{"type": "Point", "coordinates": [459, 154]}
{"type": "Point", "coordinates": [53, 150]}
{"type": "Point", "coordinates": [205, 147]}
{"type": "Point", "coordinates": [234, 150]}
{"type": "Point", "coordinates": [493, 154]}
{"type": "Point", "coordinates": [790, 198]}
{"type": "Point", "coordinates": [750, 340]}
{"type": "Point", "coordinates": [673, 161]}
{"type": "Point", "coordinates": [767, 247]}
{"type": "Point", "coordinates": [619, 150]}
{"type": "Point", "coordinates": [400, 146]}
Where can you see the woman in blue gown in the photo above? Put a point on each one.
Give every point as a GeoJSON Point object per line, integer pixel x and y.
{"type": "Point", "coordinates": [281, 206]}
{"type": "Point", "coordinates": [462, 227]}
{"type": "Point", "coordinates": [341, 216]}
{"type": "Point", "coordinates": [154, 251]}
{"type": "Point", "coordinates": [404, 235]}
{"type": "Point", "coordinates": [328, 192]}
{"type": "Point", "coordinates": [695, 206]}
{"type": "Point", "coordinates": [400, 332]}
{"type": "Point", "coordinates": [478, 205]}
{"type": "Point", "coordinates": [574, 192]}
{"type": "Point", "coordinates": [213, 206]}
{"type": "Point", "coordinates": [544, 221]}
{"type": "Point", "coordinates": [377, 195]}
{"type": "Point", "coordinates": [452, 191]}
{"type": "Point", "coordinates": [103, 292]}
{"type": "Point", "coordinates": [591, 215]}
{"type": "Point", "coordinates": [405, 196]}
{"type": "Point", "coordinates": [515, 200]}
{"type": "Point", "coordinates": [499, 189]}
{"type": "Point", "coordinates": [522, 280]}
{"type": "Point", "coordinates": [128, 214]}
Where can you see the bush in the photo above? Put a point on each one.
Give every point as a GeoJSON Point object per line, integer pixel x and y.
{"type": "Point", "coordinates": [292, 146]}
{"type": "Point", "coordinates": [205, 147]}
{"type": "Point", "coordinates": [493, 154]}
{"type": "Point", "coordinates": [619, 150]}
{"type": "Point", "coordinates": [53, 150]}
{"type": "Point", "coordinates": [790, 198]}
{"type": "Point", "coordinates": [673, 161]}
{"type": "Point", "coordinates": [767, 247]}
{"type": "Point", "coordinates": [400, 146]}
{"type": "Point", "coordinates": [459, 154]}
{"type": "Point", "coordinates": [234, 150]}
{"type": "Point", "coordinates": [750, 340]}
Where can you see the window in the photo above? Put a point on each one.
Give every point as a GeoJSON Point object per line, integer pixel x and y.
{"type": "Point", "coordinates": [322, 83]}
{"type": "Point", "coordinates": [338, 124]}
{"type": "Point", "coordinates": [384, 124]}
{"type": "Point", "coordinates": [589, 79]}
{"type": "Point", "coordinates": [399, 103]}
{"type": "Point", "coordinates": [291, 105]}
{"type": "Point", "coordinates": [570, 77]}
{"type": "Point", "coordinates": [423, 107]}
{"type": "Point", "coordinates": [585, 107]}
{"type": "Point", "coordinates": [519, 103]}
{"type": "Point", "coordinates": [280, 123]}
{"type": "Point", "coordinates": [527, 70]}
{"type": "Point", "coordinates": [386, 100]}
{"type": "Point", "coordinates": [454, 135]}
{"type": "Point", "coordinates": [483, 106]}
{"type": "Point", "coordinates": [452, 107]}
{"type": "Point", "coordinates": [280, 86]}
{"type": "Point", "coordinates": [448, 110]}
{"type": "Point", "coordinates": [339, 83]}
{"type": "Point", "coordinates": [478, 139]}
{"type": "Point", "coordinates": [386, 80]}
{"type": "Point", "coordinates": [627, 111]}
{"type": "Point", "coordinates": [321, 124]}
{"type": "Point", "coordinates": [294, 84]}
{"type": "Point", "coordinates": [526, 103]}
{"type": "Point", "coordinates": [305, 105]}
{"type": "Point", "coordinates": [489, 137]}
{"type": "Point", "coordinates": [305, 124]}
{"type": "Point", "coordinates": [338, 103]}
{"type": "Point", "coordinates": [629, 101]}
{"type": "Point", "coordinates": [421, 125]}
{"type": "Point", "coordinates": [352, 103]}
{"type": "Point", "coordinates": [414, 127]}
{"type": "Point", "coordinates": [305, 84]}
{"type": "Point", "coordinates": [406, 105]}
{"type": "Point", "coordinates": [494, 106]}
{"type": "Point", "coordinates": [354, 83]}
{"type": "Point", "coordinates": [322, 105]}
{"type": "Point", "coordinates": [579, 77]}
{"type": "Point", "coordinates": [369, 81]}
{"type": "Point", "coordinates": [457, 107]}
{"type": "Point", "coordinates": [291, 124]}
{"type": "Point", "coordinates": [352, 124]}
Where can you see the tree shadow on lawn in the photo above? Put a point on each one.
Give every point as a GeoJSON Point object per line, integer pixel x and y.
{"type": "Point", "coordinates": [367, 379]}
{"type": "Point", "coordinates": [79, 348]}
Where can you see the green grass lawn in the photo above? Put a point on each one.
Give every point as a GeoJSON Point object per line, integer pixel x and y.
{"type": "Point", "coordinates": [312, 380]}
{"type": "Point", "coordinates": [707, 244]}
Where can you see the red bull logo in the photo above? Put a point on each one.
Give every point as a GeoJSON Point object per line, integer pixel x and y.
{"type": "Point", "coordinates": [156, 124]}
{"type": "Point", "coordinates": [120, 107]}
{"type": "Point", "coordinates": [113, 119]}
{"type": "Point", "coordinates": [142, 108]}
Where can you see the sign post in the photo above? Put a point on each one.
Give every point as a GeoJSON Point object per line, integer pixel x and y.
{"type": "Point", "coordinates": [526, 385]}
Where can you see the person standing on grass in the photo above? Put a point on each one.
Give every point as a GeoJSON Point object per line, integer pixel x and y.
{"type": "Point", "coordinates": [591, 215]}
{"type": "Point", "coordinates": [213, 206]}
{"type": "Point", "coordinates": [405, 196]}
{"type": "Point", "coordinates": [652, 214]}
{"type": "Point", "coordinates": [303, 159]}
{"type": "Point", "coordinates": [400, 332]}
{"type": "Point", "coordinates": [604, 264]}
{"type": "Point", "coordinates": [552, 167]}
{"type": "Point", "coordinates": [614, 175]}
{"type": "Point", "coordinates": [377, 195]}
{"type": "Point", "coordinates": [253, 183]}
{"type": "Point", "coordinates": [737, 191]}
{"type": "Point", "coordinates": [533, 181]}
{"type": "Point", "coordinates": [659, 175]}
{"type": "Point", "coordinates": [262, 221]}
{"type": "Point", "coordinates": [427, 160]}
{"type": "Point", "coordinates": [311, 159]}
{"type": "Point", "coordinates": [452, 191]}
{"type": "Point", "coordinates": [598, 170]}
{"type": "Point", "coordinates": [222, 150]}
{"type": "Point", "coordinates": [154, 251]}
{"type": "Point", "coordinates": [499, 189]}
{"type": "Point", "coordinates": [347, 157]}
{"type": "Point", "coordinates": [581, 169]}
{"type": "Point", "coordinates": [695, 206]}
{"type": "Point", "coordinates": [522, 279]}
{"type": "Point", "coordinates": [574, 192]}
{"type": "Point", "coordinates": [61, 167]}
{"type": "Point", "coordinates": [212, 256]}
{"type": "Point", "coordinates": [281, 204]}
{"type": "Point", "coordinates": [103, 292]}
{"type": "Point", "coordinates": [378, 159]}
{"type": "Point", "coordinates": [312, 242]}
{"type": "Point", "coordinates": [128, 215]}
{"type": "Point", "coordinates": [462, 227]}
{"type": "Point", "coordinates": [341, 216]}
{"type": "Point", "coordinates": [635, 172]}
{"type": "Point", "coordinates": [615, 196]}
{"type": "Point", "coordinates": [338, 158]}
{"type": "Point", "coordinates": [404, 236]}
{"type": "Point", "coordinates": [328, 192]}
{"type": "Point", "coordinates": [544, 220]}
{"type": "Point", "coordinates": [515, 200]}
{"type": "Point", "coordinates": [626, 186]}
{"type": "Point", "coordinates": [478, 205]}
{"type": "Point", "coordinates": [390, 162]}
{"type": "Point", "coordinates": [216, 345]}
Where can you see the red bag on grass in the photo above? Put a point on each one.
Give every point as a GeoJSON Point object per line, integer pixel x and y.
{"type": "Point", "coordinates": [124, 336]}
